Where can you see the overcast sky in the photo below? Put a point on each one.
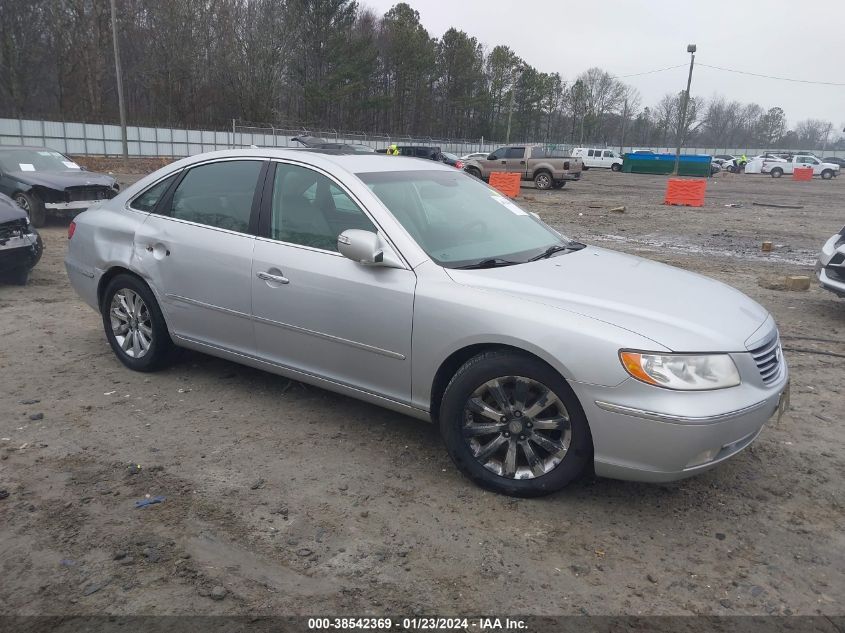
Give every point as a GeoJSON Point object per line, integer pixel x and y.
{"type": "Point", "coordinates": [776, 37]}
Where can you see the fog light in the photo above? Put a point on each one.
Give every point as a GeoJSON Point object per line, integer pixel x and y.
{"type": "Point", "coordinates": [703, 457]}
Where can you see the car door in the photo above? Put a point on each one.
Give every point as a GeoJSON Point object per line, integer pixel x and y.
{"type": "Point", "coordinates": [316, 311]}
{"type": "Point", "coordinates": [496, 161]}
{"type": "Point", "coordinates": [195, 250]}
{"type": "Point", "coordinates": [515, 160]}
{"type": "Point", "coordinates": [607, 158]}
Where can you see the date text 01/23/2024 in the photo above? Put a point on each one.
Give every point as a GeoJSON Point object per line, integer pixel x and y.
{"type": "Point", "coordinates": [483, 624]}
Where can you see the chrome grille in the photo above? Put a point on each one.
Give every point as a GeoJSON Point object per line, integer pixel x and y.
{"type": "Point", "coordinates": [768, 359]}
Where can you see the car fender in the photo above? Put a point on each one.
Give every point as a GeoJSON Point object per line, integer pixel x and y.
{"type": "Point", "coordinates": [449, 317]}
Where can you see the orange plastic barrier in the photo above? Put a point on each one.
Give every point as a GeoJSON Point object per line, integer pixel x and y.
{"type": "Point", "coordinates": [802, 173]}
{"type": "Point", "coordinates": [687, 192]}
{"type": "Point", "coordinates": [507, 182]}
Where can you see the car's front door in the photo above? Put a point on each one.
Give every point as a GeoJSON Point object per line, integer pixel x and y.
{"type": "Point", "coordinates": [195, 250]}
{"type": "Point", "coordinates": [316, 311]}
{"type": "Point", "coordinates": [515, 160]}
{"type": "Point", "coordinates": [496, 161]}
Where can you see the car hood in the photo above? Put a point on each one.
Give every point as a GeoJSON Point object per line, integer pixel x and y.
{"type": "Point", "coordinates": [9, 210]}
{"type": "Point", "coordinates": [63, 179]}
{"type": "Point", "coordinates": [679, 310]}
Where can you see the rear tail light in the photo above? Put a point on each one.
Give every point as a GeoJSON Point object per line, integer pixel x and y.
{"type": "Point", "coordinates": [71, 229]}
{"type": "Point", "coordinates": [459, 164]}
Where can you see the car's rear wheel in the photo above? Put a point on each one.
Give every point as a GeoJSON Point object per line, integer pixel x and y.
{"type": "Point", "coordinates": [543, 180]}
{"type": "Point", "coordinates": [33, 206]}
{"type": "Point", "coordinates": [134, 324]}
{"type": "Point", "coordinates": [512, 424]}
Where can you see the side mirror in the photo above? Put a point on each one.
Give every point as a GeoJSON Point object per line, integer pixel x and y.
{"type": "Point", "coordinates": [367, 248]}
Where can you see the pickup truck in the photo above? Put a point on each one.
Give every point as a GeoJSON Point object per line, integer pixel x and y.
{"type": "Point", "coordinates": [778, 168]}
{"type": "Point", "coordinates": [534, 162]}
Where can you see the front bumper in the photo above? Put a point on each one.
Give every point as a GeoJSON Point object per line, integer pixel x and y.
{"type": "Point", "coordinates": [78, 205]}
{"type": "Point", "coordinates": [19, 252]}
{"type": "Point", "coordinates": [644, 433]}
{"type": "Point", "coordinates": [830, 267]}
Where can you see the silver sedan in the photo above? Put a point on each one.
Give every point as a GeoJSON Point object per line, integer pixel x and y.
{"type": "Point", "coordinates": [413, 286]}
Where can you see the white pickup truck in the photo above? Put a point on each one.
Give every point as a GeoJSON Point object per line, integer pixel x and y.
{"type": "Point", "coordinates": [778, 168]}
{"type": "Point", "coordinates": [599, 158]}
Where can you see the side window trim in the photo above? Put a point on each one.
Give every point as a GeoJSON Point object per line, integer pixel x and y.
{"type": "Point", "coordinates": [155, 209]}
{"type": "Point", "coordinates": [166, 201]}
{"type": "Point", "coordinates": [266, 209]}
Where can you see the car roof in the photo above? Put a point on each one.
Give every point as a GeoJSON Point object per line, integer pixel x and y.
{"type": "Point", "coordinates": [352, 163]}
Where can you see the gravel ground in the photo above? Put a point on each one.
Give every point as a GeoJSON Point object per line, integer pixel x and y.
{"type": "Point", "coordinates": [287, 499]}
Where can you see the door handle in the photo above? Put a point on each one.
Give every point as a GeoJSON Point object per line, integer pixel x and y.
{"type": "Point", "coordinates": [522, 162]}
{"type": "Point", "coordinates": [279, 279]}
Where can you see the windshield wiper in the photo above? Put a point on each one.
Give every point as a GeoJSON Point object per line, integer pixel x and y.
{"type": "Point", "coordinates": [492, 262]}
{"type": "Point", "coordinates": [556, 248]}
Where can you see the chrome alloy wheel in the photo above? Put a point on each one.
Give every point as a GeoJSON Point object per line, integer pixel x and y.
{"type": "Point", "coordinates": [516, 427]}
{"type": "Point", "coordinates": [23, 203]}
{"type": "Point", "coordinates": [131, 323]}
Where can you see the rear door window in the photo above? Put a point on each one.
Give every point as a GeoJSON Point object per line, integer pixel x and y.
{"type": "Point", "coordinates": [218, 194]}
{"type": "Point", "coordinates": [515, 152]}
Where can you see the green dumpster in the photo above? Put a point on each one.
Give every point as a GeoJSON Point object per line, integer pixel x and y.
{"type": "Point", "coordinates": [649, 163]}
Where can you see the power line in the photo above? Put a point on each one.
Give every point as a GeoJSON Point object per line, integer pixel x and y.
{"type": "Point", "coordinates": [649, 72]}
{"type": "Point", "coordinates": [800, 81]}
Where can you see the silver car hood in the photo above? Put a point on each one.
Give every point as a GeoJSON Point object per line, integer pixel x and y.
{"type": "Point", "coordinates": [679, 310]}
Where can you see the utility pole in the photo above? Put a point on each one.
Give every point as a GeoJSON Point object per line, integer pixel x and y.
{"type": "Point", "coordinates": [517, 70]}
{"type": "Point", "coordinates": [119, 74]}
{"type": "Point", "coordinates": [683, 118]}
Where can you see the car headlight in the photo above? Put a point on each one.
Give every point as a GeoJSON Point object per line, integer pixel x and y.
{"type": "Point", "coordinates": [684, 372]}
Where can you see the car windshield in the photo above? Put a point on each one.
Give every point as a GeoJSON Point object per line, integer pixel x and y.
{"type": "Point", "coordinates": [34, 160]}
{"type": "Point", "coordinates": [459, 221]}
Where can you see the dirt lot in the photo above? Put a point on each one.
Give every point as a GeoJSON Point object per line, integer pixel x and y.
{"type": "Point", "coordinates": [287, 499]}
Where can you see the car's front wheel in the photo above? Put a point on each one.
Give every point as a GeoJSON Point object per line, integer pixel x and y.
{"type": "Point", "coordinates": [616, 167]}
{"type": "Point", "coordinates": [512, 424]}
{"type": "Point", "coordinates": [134, 324]}
{"type": "Point", "coordinates": [34, 208]}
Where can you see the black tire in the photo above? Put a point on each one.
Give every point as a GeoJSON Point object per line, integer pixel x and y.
{"type": "Point", "coordinates": [39, 249]}
{"type": "Point", "coordinates": [827, 174]}
{"type": "Point", "coordinates": [559, 184]}
{"type": "Point", "coordinates": [33, 206]}
{"type": "Point", "coordinates": [732, 169]}
{"type": "Point", "coordinates": [584, 168]}
{"type": "Point", "coordinates": [474, 171]}
{"type": "Point", "coordinates": [543, 180]}
{"type": "Point", "coordinates": [777, 172]}
{"type": "Point", "coordinates": [161, 346]}
{"type": "Point", "coordinates": [471, 377]}
{"type": "Point", "coordinates": [616, 167]}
